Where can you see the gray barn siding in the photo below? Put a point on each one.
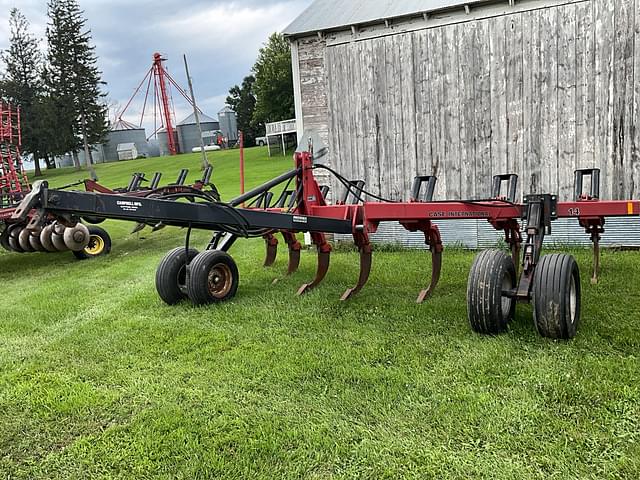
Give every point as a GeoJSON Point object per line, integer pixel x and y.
{"type": "Point", "coordinates": [538, 93]}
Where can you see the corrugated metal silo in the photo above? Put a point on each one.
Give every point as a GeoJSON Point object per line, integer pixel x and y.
{"type": "Point", "coordinates": [163, 142]}
{"type": "Point", "coordinates": [228, 124]}
{"type": "Point", "coordinates": [124, 132]}
{"type": "Point", "coordinates": [154, 148]}
{"type": "Point", "coordinates": [188, 134]}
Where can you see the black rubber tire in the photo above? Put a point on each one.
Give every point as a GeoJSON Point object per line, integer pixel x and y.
{"type": "Point", "coordinates": [556, 296]}
{"type": "Point", "coordinates": [212, 277]}
{"type": "Point", "coordinates": [488, 311]}
{"type": "Point", "coordinates": [171, 275]}
{"type": "Point", "coordinates": [93, 220]}
{"type": "Point", "coordinates": [99, 244]}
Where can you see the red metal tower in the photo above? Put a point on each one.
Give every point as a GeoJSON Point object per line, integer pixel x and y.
{"type": "Point", "coordinates": [13, 179]}
{"type": "Point", "coordinates": [158, 76]}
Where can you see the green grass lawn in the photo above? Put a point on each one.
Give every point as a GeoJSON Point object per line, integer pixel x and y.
{"type": "Point", "coordinates": [98, 378]}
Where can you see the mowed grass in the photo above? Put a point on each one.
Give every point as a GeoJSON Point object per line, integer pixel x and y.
{"type": "Point", "coordinates": [99, 379]}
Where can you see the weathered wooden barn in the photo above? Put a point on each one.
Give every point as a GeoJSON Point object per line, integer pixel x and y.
{"type": "Point", "coordinates": [466, 90]}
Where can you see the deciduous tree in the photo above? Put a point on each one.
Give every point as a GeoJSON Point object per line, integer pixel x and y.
{"type": "Point", "coordinates": [274, 82]}
{"type": "Point", "coordinates": [243, 101]}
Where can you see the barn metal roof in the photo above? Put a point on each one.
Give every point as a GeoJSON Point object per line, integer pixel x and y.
{"type": "Point", "coordinates": [333, 14]}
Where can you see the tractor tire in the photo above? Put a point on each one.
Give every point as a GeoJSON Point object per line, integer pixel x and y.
{"type": "Point", "coordinates": [212, 277]}
{"type": "Point", "coordinates": [99, 244]}
{"type": "Point", "coordinates": [556, 296]}
{"type": "Point", "coordinates": [489, 311]}
{"type": "Point", "coordinates": [171, 275]}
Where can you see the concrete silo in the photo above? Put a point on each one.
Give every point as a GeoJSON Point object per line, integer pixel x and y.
{"type": "Point", "coordinates": [228, 124]}
{"type": "Point", "coordinates": [125, 132]}
{"type": "Point", "coordinates": [189, 136]}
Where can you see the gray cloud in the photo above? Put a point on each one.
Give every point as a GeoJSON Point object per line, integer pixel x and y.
{"type": "Point", "coordinates": [220, 38]}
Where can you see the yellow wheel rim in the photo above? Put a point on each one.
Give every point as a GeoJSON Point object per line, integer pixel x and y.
{"type": "Point", "coordinates": [96, 245]}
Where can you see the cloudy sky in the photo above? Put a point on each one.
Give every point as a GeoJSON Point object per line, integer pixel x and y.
{"type": "Point", "coordinates": [221, 40]}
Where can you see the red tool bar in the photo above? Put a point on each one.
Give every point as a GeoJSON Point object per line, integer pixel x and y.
{"type": "Point", "coordinates": [382, 212]}
{"type": "Point", "coordinates": [375, 212]}
{"type": "Point", "coordinates": [411, 211]}
{"type": "Point", "coordinates": [599, 208]}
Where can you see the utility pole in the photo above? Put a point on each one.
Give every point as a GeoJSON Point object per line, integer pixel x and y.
{"type": "Point", "coordinates": [205, 162]}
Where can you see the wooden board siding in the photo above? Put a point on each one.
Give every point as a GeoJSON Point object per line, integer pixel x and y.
{"type": "Point", "coordinates": [538, 93]}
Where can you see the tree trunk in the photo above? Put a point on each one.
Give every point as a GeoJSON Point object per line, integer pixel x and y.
{"type": "Point", "coordinates": [36, 161]}
{"type": "Point", "coordinates": [76, 160]}
{"type": "Point", "coordinates": [50, 160]}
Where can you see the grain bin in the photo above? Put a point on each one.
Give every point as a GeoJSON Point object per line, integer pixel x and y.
{"type": "Point", "coordinates": [125, 132]}
{"type": "Point", "coordinates": [228, 124]}
{"type": "Point", "coordinates": [189, 135]}
{"type": "Point", "coordinates": [163, 142]}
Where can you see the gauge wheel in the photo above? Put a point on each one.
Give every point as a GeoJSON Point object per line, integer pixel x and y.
{"type": "Point", "coordinates": [99, 244]}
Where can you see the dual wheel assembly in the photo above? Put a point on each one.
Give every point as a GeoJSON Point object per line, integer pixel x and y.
{"type": "Point", "coordinates": [555, 294]}
{"type": "Point", "coordinates": [212, 276]}
{"type": "Point", "coordinates": [206, 277]}
{"type": "Point", "coordinates": [85, 242]}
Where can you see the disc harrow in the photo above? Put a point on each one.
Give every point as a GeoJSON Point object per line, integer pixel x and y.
{"type": "Point", "coordinates": [497, 280]}
{"type": "Point", "coordinates": [57, 234]}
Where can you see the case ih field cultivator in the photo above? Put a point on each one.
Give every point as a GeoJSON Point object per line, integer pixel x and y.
{"type": "Point", "coordinates": [496, 282]}
{"type": "Point", "coordinates": [52, 236]}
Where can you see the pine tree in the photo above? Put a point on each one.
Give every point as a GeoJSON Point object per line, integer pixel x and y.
{"type": "Point", "coordinates": [74, 81]}
{"type": "Point", "coordinates": [22, 83]}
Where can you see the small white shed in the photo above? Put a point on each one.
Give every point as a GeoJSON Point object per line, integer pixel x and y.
{"type": "Point", "coordinates": [127, 151]}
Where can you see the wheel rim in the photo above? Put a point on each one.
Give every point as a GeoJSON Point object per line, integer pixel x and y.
{"type": "Point", "coordinates": [220, 280]}
{"type": "Point", "coordinates": [182, 277]}
{"type": "Point", "coordinates": [507, 285]}
{"type": "Point", "coordinates": [573, 299]}
{"type": "Point", "coordinates": [96, 245]}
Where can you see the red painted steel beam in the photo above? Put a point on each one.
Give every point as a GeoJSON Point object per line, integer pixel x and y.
{"type": "Point", "coordinates": [599, 208]}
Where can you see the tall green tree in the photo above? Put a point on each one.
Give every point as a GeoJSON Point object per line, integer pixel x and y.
{"type": "Point", "coordinates": [74, 81]}
{"type": "Point", "coordinates": [242, 100]}
{"type": "Point", "coordinates": [274, 81]}
{"type": "Point", "coordinates": [22, 83]}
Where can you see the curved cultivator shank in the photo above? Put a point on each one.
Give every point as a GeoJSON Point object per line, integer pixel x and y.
{"type": "Point", "coordinates": [324, 256]}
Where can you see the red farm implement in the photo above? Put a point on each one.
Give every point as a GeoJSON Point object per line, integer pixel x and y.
{"type": "Point", "coordinates": [83, 241]}
{"type": "Point", "coordinates": [91, 241]}
{"type": "Point", "coordinates": [496, 282]}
